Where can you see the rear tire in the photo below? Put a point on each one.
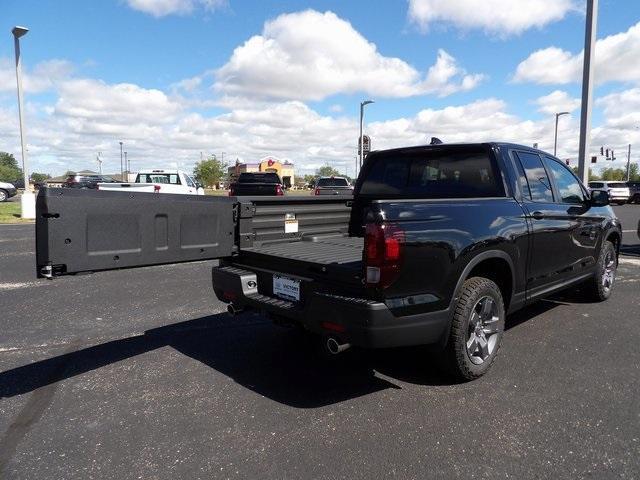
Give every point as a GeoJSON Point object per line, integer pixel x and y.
{"type": "Point", "coordinates": [477, 327]}
{"type": "Point", "coordinates": [599, 287]}
{"type": "Point", "coordinates": [4, 196]}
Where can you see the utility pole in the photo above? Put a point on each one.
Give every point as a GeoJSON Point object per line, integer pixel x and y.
{"type": "Point", "coordinates": [629, 163]}
{"type": "Point", "coordinates": [587, 86]}
{"type": "Point", "coordinates": [126, 166]}
{"type": "Point", "coordinates": [121, 165]}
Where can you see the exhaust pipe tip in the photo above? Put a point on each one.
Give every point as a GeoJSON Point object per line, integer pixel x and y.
{"type": "Point", "coordinates": [334, 347]}
{"type": "Point", "coordinates": [233, 310]}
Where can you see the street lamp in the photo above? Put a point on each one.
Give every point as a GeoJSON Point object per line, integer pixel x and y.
{"type": "Point", "coordinates": [28, 199]}
{"type": "Point", "coordinates": [555, 141]}
{"type": "Point", "coordinates": [126, 165]}
{"type": "Point", "coordinates": [362, 105]}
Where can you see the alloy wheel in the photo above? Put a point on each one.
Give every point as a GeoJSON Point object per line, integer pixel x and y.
{"type": "Point", "coordinates": [484, 326]}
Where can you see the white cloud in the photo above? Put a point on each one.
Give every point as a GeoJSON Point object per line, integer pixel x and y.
{"type": "Point", "coordinates": [615, 59]}
{"type": "Point", "coordinates": [311, 55]}
{"type": "Point", "coordinates": [498, 17]}
{"type": "Point", "coordinates": [44, 76]}
{"type": "Point", "coordinates": [94, 100]}
{"type": "Point", "coordinates": [161, 8]}
{"type": "Point", "coordinates": [159, 129]}
{"type": "Point", "coordinates": [557, 101]}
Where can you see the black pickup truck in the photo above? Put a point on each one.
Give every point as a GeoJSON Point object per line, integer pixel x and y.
{"type": "Point", "coordinates": [257, 184]}
{"type": "Point", "coordinates": [437, 245]}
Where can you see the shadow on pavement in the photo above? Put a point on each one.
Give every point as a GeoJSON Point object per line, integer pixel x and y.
{"type": "Point", "coordinates": [630, 250]}
{"type": "Point", "coordinates": [283, 365]}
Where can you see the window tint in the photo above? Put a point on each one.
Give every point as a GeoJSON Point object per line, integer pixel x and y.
{"type": "Point", "coordinates": [568, 185]}
{"type": "Point", "coordinates": [189, 181]}
{"type": "Point", "coordinates": [439, 173]}
{"type": "Point", "coordinates": [165, 178]}
{"type": "Point", "coordinates": [537, 179]}
{"type": "Point", "coordinates": [596, 184]}
{"type": "Point", "coordinates": [617, 185]}
{"type": "Point", "coordinates": [522, 180]}
{"type": "Point", "coordinates": [332, 182]}
{"type": "Point", "coordinates": [249, 177]}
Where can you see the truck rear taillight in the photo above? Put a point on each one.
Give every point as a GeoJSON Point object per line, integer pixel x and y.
{"type": "Point", "coordinates": [279, 190]}
{"type": "Point", "coordinates": [231, 192]}
{"type": "Point", "coordinates": [383, 245]}
{"type": "Point", "coordinates": [317, 191]}
{"type": "Point", "coordinates": [156, 188]}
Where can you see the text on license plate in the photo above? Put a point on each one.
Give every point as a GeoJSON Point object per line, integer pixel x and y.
{"type": "Point", "coordinates": [285, 287]}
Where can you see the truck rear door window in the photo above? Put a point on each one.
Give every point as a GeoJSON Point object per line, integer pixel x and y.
{"type": "Point", "coordinates": [537, 179]}
{"type": "Point", "coordinates": [434, 174]}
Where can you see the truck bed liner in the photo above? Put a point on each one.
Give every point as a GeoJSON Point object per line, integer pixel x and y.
{"type": "Point", "coordinates": [318, 250]}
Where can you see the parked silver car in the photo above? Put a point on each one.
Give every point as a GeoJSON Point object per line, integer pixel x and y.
{"type": "Point", "coordinates": [7, 190]}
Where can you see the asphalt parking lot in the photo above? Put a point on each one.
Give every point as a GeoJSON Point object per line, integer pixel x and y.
{"type": "Point", "coordinates": [139, 374]}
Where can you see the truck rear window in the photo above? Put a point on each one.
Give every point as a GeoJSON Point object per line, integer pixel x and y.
{"type": "Point", "coordinates": [617, 185]}
{"type": "Point", "coordinates": [332, 182]}
{"type": "Point", "coordinates": [165, 178]}
{"type": "Point", "coordinates": [259, 178]}
{"type": "Point", "coordinates": [433, 174]}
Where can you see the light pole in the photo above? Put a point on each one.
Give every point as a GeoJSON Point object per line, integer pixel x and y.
{"type": "Point", "coordinates": [587, 86]}
{"type": "Point", "coordinates": [121, 165]}
{"type": "Point", "coordinates": [555, 140]}
{"type": "Point", "coordinates": [362, 105]}
{"type": "Point", "coordinates": [28, 199]}
{"type": "Point", "coordinates": [126, 164]}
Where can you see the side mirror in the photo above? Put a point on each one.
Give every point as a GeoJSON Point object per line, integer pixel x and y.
{"type": "Point", "coordinates": [599, 198]}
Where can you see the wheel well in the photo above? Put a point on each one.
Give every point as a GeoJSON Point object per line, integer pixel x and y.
{"type": "Point", "coordinates": [499, 271]}
{"type": "Point", "coordinates": [614, 237]}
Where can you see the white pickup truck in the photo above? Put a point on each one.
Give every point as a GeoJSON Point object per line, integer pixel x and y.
{"type": "Point", "coordinates": [159, 181]}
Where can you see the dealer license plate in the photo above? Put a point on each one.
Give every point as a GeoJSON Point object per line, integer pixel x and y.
{"type": "Point", "coordinates": [285, 287]}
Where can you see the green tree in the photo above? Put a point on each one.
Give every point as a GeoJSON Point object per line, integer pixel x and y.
{"type": "Point", "coordinates": [209, 172]}
{"type": "Point", "coordinates": [611, 173]}
{"type": "Point", "coordinates": [327, 171]}
{"type": "Point", "coordinates": [634, 172]}
{"type": "Point", "coordinates": [9, 170]}
{"type": "Point", "coordinates": [39, 177]}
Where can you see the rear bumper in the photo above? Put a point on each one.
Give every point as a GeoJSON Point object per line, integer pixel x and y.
{"type": "Point", "coordinates": [358, 321]}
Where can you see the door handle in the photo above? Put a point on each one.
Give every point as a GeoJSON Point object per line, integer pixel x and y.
{"type": "Point", "coordinates": [537, 215]}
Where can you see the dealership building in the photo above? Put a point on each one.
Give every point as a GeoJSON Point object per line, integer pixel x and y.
{"type": "Point", "coordinates": [284, 169]}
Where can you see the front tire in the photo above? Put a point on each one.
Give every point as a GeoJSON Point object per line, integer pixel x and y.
{"type": "Point", "coordinates": [4, 196]}
{"type": "Point", "coordinates": [477, 327]}
{"type": "Point", "coordinates": [599, 287]}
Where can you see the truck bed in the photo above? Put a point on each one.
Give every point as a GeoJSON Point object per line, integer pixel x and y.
{"type": "Point", "coordinates": [319, 250]}
{"type": "Point", "coordinates": [330, 260]}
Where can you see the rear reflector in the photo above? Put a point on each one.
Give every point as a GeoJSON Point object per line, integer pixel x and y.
{"type": "Point", "coordinates": [229, 295]}
{"type": "Point", "coordinates": [334, 327]}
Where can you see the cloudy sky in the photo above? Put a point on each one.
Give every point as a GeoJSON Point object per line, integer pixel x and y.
{"type": "Point", "coordinates": [173, 78]}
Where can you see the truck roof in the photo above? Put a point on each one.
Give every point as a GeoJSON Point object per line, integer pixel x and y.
{"type": "Point", "coordinates": [444, 146]}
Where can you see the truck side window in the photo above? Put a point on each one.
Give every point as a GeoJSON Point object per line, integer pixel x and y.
{"type": "Point", "coordinates": [537, 178]}
{"type": "Point", "coordinates": [568, 185]}
{"type": "Point", "coordinates": [189, 181]}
